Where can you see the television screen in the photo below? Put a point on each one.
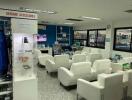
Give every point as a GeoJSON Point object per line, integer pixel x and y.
{"type": "Point", "coordinates": [41, 38]}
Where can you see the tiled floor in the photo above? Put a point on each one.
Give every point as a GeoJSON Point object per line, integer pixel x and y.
{"type": "Point", "coordinates": [50, 89]}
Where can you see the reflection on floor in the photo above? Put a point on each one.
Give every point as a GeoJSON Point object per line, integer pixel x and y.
{"type": "Point", "coordinates": [50, 89]}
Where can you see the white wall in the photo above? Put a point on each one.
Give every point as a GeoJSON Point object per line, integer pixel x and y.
{"type": "Point", "coordinates": [108, 51]}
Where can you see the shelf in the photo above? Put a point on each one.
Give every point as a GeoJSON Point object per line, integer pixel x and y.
{"type": "Point", "coordinates": [5, 92]}
{"type": "Point", "coordinates": [5, 82]}
{"type": "Point", "coordinates": [62, 33]}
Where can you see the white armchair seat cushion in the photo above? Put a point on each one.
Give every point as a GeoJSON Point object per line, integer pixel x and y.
{"type": "Point", "coordinates": [78, 70]}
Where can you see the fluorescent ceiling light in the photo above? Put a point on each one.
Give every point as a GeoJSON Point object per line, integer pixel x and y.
{"type": "Point", "coordinates": [44, 11]}
{"type": "Point", "coordinates": [69, 23]}
{"type": "Point", "coordinates": [91, 18]}
{"type": "Point", "coordinates": [38, 11]}
{"type": "Point", "coordinates": [51, 12]}
{"type": "Point", "coordinates": [30, 10]}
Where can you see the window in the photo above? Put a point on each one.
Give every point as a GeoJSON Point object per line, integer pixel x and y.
{"type": "Point", "coordinates": [122, 39]}
{"type": "Point", "coordinates": [80, 37]}
{"type": "Point", "coordinates": [101, 38]}
{"type": "Point", "coordinates": [96, 38]}
{"type": "Point", "coordinates": [92, 38]}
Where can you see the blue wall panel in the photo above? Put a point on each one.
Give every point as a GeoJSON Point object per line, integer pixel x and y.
{"type": "Point", "coordinates": [51, 31]}
{"type": "Point", "coordinates": [51, 34]}
{"type": "Point", "coordinates": [3, 54]}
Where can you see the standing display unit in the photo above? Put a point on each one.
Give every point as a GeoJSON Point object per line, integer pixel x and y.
{"type": "Point", "coordinates": [23, 28]}
{"type": "Point", "coordinates": [24, 80]}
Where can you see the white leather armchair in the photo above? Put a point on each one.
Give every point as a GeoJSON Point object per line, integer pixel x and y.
{"type": "Point", "coordinates": [127, 80]}
{"type": "Point", "coordinates": [78, 58]}
{"type": "Point", "coordinates": [108, 87]}
{"type": "Point", "coordinates": [129, 84]}
{"type": "Point", "coordinates": [93, 57]}
{"type": "Point", "coordinates": [42, 59]}
{"type": "Point", "coordinates": [101, 66]}
{"type": "Point", "coordinates": [78, 70]}
{"type": "Point", "coordinates": [52, 65]}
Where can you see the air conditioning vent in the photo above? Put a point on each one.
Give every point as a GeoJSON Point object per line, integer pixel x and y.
{"type": "Point", "coordinates": [72, 19]}
{"type": "Point", "coordinates": [129, 11]}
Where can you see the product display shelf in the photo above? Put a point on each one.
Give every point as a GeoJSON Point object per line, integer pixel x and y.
{"type": "Point", "coordinates": [63, 38]}
{"type": "Point", "coordinates": [5, 82]}
{"type": "Point", "coordinates": [5, 93]}
{"type": "Point", "coordinates": [5, 88]}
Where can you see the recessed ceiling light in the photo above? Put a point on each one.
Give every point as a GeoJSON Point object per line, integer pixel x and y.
{"type": "Point", "coordinates": [85, 17]}
{"type": "Point", "coordinates": [69, 23]}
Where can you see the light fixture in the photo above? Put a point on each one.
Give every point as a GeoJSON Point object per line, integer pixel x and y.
{"type": "Point", "coordinates": [29, 10]}
{"type": "Point", "coordinates": [51, 12]}
{"type": "Point", "coordinates": [37, 10]}
{"type": "Point", "coordinates": [85, 17]}
{"type": "Point", "coordinates": [44, 11]}
{"type": "Point", "coordinates": [69, 23]}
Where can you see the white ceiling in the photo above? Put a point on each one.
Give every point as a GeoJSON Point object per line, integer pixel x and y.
{"type": "Point", "coordinates": [107, 10]}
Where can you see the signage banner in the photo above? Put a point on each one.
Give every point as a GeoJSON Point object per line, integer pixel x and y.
{"type": "Point", "coordinates": [17, 14]}
{"type": "Point", "coordinates": [24, 26]}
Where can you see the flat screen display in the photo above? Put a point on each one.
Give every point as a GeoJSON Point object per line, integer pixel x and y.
{"type": "Point", "coordinates": [41, 38]}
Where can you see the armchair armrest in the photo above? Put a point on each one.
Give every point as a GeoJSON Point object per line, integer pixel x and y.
{"type": "Point", "coordinates": [65, 76]}
{"type": "Point", "coordinates": [50, 66]}
{"type": "Point", "coordinates": [89, 90]}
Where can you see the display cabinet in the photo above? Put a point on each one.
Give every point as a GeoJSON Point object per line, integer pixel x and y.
{"type": "Point", "coordinates": [63, 35]}
{"type": "Point", "coordinates": [6, 90]}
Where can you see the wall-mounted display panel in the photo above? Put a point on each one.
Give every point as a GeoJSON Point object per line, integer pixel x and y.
{"type": "Point", "coordinates": [80, 37]}
{"type": "Point", "coordinates": [123, 39]}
